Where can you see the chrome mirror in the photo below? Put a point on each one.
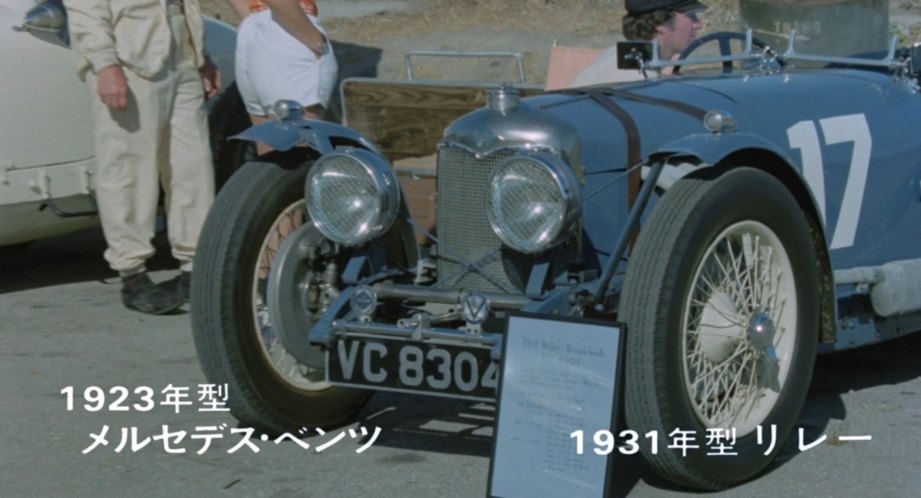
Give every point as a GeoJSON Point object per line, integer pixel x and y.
{"type": "Point", "coordinates": [914, 55]}
{"type": "Point", "coordinates": [633, 54]}
{"type": "Point", "coordinates": [49, 17]}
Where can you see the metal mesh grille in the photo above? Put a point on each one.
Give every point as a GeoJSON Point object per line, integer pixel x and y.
{"type": "Point", "coordinates": [464, 230]}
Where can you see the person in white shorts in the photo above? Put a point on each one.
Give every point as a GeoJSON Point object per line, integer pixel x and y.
{"type": "Point", "coordinates": [283, 53]}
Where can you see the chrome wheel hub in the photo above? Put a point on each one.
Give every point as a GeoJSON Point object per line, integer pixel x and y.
{"type": "Point", "coordinates": [739, 328]}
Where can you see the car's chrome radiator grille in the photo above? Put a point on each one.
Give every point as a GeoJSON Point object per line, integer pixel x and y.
{"type": "Point", "coordinates": [464, 231]}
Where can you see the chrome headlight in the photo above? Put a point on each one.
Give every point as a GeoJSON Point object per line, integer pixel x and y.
{"type": "Point", "coordinates": [534, 202]}
{"type": "Point", "coordinates": [352, 196]}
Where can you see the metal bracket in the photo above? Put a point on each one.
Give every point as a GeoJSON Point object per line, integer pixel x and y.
{"type": "Point", "coordinates": [87, 184]}
{"type": "Point", "coordinates": [5, 168]}
{"type": "Point", "coordinates": [42, 186]}
{"type": "Point", "coordinates": [601, 288]}
{"type": "Point", "coordinates": [889, 61]}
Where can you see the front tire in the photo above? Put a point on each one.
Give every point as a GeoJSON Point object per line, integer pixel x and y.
{"type": "Point", "coordinates": [721, 305]}
{"type": "Point", "coordinates": [269, 389]}
{"type": "Point", "coordinates": [227, 118]}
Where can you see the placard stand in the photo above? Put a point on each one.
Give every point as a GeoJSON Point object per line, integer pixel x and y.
{"type": "Point", "coordinates": [557, 376]}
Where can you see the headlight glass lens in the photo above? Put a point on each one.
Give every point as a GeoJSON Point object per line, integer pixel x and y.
{"type": "Point", "coordinates": [352, 197]}
{"type": "Point", "coordinates": [533, 202]}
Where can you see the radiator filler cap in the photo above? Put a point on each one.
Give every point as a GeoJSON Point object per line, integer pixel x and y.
{"type": "Point", "coordinates": [503, 99]}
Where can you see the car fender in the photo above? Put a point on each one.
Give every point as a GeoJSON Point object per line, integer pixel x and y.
{"type": "Point", "coordinates": [285, 136]}
{"type": "Point", "coordinates": [687, 154]}
{"type": "Point", "coordinates": [321, 136]}
{"type": "Point", "coordinates": [713, 149]}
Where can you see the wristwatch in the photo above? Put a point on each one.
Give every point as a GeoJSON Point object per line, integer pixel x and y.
{"type": "Point", "coordinates": [323, 47]}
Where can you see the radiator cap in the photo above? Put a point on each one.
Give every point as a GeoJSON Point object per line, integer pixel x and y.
{"type": "Point", "coordinates": [503, 99]}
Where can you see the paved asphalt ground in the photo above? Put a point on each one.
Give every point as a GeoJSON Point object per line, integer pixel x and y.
{"type": "Point", "coordinates": [62, 324]}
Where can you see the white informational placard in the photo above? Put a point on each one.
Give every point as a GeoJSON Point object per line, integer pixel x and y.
{"type": "Point", "coordinates": [557, 376]}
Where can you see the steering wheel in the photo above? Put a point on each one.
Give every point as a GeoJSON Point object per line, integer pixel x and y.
{"type": "Point", "coordinates": [723, 38]}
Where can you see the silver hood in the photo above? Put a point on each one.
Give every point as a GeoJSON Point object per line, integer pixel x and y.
{"type": "Point", "coordinates": [508, 122]}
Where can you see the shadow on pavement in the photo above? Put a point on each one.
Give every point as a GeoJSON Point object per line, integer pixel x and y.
{"type": "Point", "coordinates": [458, 427]}
{"type": "Point", "coordinates": [889, 363]}
{"type": "Point", "coordinates": [67, 259]}
{"type": "Point", "coordinates": [465, 428]}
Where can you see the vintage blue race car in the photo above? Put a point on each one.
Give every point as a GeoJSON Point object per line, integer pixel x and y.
{"type": "Point", "coordinates": [737, 222]}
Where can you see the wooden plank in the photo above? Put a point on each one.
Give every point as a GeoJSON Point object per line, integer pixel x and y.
{"type": "Point", "coordinates": [408, 118]}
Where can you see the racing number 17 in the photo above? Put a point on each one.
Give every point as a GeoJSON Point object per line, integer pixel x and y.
{"type": "Point", "coordinates": [840, 129]}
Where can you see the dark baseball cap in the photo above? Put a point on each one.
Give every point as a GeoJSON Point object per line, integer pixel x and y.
{"type": "Point", "coordinates": [644, 6]}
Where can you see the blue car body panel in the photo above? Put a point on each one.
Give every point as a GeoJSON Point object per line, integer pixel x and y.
{"type": "Point", "coordinates": [845, 135]}
{"type": "Point", "coordinates": [889, 219]}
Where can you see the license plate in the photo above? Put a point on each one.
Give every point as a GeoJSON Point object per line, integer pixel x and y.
{"type": "Point", "coordinates": [447, 370]}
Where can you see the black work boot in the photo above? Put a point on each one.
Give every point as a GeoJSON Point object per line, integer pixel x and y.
{"type": "Point", "coordinates": [180, 285]}
{"type": "Point", "coordinates": [140, 293]}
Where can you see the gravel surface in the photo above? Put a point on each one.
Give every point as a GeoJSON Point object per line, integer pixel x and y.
{"type": "Point", "coordinates": [371, 37]}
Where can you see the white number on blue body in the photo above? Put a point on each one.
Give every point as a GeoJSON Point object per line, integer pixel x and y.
{"type": "Point", "coordinates": [836, 130]}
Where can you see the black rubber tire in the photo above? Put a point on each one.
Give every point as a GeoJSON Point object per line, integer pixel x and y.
{"type": "Point", "coordinates": [14, 249]}
{"type": "Point", "coordinates": [228, 117]}
{"type": "Point", "coordinates": [223, 311]}
{"type": "Point", "coordinates": [687, 219]}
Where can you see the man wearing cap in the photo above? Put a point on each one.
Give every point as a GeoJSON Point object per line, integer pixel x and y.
{"type": "Point", "coordinates": [674, 24]}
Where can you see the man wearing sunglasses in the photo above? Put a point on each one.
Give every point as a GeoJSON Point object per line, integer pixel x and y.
{"type": "Point", "coordinates": [674, 24]}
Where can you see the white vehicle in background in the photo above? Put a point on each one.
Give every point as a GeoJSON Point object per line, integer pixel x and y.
{"type": "Point", "coordinates": [46, 135]}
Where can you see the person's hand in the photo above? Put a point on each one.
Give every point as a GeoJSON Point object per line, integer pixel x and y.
{"type": "Point", "coordinates": [211, 78]}
{"type": "Point", "coordinates": [113, 87]}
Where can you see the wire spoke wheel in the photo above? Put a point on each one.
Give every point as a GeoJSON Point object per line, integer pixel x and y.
{"type": "Point", "coordinates": [736, 350]}
{"type": "Point", "coordinates": [721, 307]}
{"type": "Point", "coordinates": [287, 366]}
{"type": "Point", "coordinates": [237, 338]}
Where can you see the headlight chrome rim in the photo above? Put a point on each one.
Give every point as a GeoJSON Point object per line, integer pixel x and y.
{"type": "Point", "coordinates": [365, 167]}
{"type": "Point", "coordinates": [568, 188]}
